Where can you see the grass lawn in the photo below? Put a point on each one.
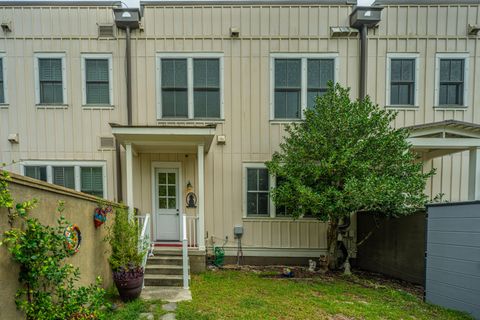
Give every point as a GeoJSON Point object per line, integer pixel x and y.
{"type": "Point", "coordinates": [229, 294]}
{"type": "Point", "coordinates": [132, 310]}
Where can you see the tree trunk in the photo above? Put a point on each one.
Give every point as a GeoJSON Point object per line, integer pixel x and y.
{"type": "Point", "coordinates": [332, 236]}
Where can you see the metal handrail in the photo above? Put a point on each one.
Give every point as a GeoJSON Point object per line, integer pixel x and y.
{"type": "Point", "coordinates": [185, 251]}
{"type": "Point", "coordinates": [144, 237]}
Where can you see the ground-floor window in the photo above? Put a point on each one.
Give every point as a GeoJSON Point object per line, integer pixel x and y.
{"type": "Point", "coordinates": [257, 197]}
{"type": "Point", "coordinates": [85, 176]}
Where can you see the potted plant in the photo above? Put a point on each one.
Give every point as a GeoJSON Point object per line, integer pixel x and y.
{"type": "Point", "coordinates": [125, 259]}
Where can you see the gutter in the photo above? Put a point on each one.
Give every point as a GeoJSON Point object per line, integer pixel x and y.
{"type": "Point", "coordinates": [362, 18]}
{"type": "Point", "coordinates": [127, 19]}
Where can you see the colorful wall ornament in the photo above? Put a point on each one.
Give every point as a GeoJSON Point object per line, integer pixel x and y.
{"type": "Point", "coordinates": [73, 238]}
{"type": "Point", "coordinates": [100, 215]}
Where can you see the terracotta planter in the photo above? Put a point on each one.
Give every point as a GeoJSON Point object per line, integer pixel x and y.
{"type": "Point", "coordinates": [129, 285]}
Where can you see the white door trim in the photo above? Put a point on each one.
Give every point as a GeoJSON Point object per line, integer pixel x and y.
{"type": "Point", "coordinates": [166, 165]}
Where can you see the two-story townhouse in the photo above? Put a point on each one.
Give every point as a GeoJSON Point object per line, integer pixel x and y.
{"type": "Point", "coordinates": [213, 85]}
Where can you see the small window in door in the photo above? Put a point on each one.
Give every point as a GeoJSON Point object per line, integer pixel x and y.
{"type": "Point", "coordinates": [167, 190]}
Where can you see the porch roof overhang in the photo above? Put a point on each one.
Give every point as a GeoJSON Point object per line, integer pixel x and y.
{"type": "Point", "coordinates": [437, 139]}
{"type": "Point", "coordinates": [165, 138]}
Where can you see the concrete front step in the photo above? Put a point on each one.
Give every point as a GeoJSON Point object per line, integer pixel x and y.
{"type": "Point", "coordinates": [167, 252]}
{"type": "Point", "coordinates": [165, 260]}
{"type": "Point", "coordinates": [164, 269]}
{"type": "Point", "coordinates": [163, 280]}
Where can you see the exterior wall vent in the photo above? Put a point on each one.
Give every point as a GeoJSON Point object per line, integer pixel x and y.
{"type": "Point", "coordinates": [106, 31]}
{"type": "Point", "coordinates": [107, 143]}
{"type": "Point", "coordinates": [336, 32]}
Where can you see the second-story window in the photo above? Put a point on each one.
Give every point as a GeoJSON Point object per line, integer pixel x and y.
{"type": "Point", "coordinates": [288, 88]}
{"type": "Point", "coordinates": [50, 75]}
{"type": "Point", "coordinates": [451, 81]}
{"type": "Point", "coordinates": [297, 81]}
{"type": "Point", "coordinates": [206, 88]}
{"type": "Point", "coordinates": [50, 79]}
{"type": "Point", "coordinates": [401, 83]}
{"type": "Point", "coordinates": [97, 83]}
{"type": "Point", "coordinates": [451, 77]}
{"type": "Point", "coordinates": [174, 88]}
{"type": "Point", "coordinates": [190, 87]}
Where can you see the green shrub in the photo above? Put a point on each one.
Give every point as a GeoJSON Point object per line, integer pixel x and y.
{"type": "Point", "coordinates": [123, 239]}
{"type": "Point", "coordinates": [48, 284]}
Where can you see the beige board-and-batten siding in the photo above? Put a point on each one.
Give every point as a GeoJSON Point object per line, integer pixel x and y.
{"type": "Point", "coordinates": [224, 206]}
{"type": "Point", "coordinates": [92, 257]}
{"type": "Point", "coordinates": [251, 136]}
{"type": "Point", "coordinates": [427, 30]}
{"type": "Point", "coordinates": [71, 131]}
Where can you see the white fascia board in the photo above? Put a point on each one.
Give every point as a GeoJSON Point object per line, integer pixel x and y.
{"type": "Point", "coordinates": [54, 163]}
{"type": "Point", "coordinates": [164, 131]}
{"type": "Point", "coordinates": [444, 143]}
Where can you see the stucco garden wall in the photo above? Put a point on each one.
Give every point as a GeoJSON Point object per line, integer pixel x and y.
{"type": "Point", "coordinates": [79, 208]}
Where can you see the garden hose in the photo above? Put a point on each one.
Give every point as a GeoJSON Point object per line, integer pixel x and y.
{"type": "Point", "coordinates": [219, 253]}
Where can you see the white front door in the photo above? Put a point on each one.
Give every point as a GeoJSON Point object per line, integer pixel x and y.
{"type": "Point", "coordinates": [167, 204]}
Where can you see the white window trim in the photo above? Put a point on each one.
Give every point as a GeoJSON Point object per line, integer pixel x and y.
{"type": "Point", "coordinates": [107, 56]}
{"type": "Point", "coordinates": [44, 55]}
{"type": "Point", "coordinates": [391, 56]}
{"type": "Point", "coordinates": [451, 55]}
{"type": "Point", "coordinates": [189, 57]}
{"type": "Point", "coordinates": [3, 56]}
{"type": "Point", "coordinates": [256, 165]}
{"type": "Point", "coordinates": [304, 79]}
{"type": "Point", "coordinates": [77, 166]}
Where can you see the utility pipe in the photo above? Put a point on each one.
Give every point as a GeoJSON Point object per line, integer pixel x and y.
{"type": "Point", "coordinates": [129, 78]}
{"type": "Point", "coordinates": [363, 61]}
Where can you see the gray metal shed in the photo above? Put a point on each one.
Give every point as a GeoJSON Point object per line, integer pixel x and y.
{"type": "Point", "coordinates": [452, 258]}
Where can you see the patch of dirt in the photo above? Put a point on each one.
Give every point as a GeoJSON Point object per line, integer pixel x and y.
{"type": "Point", "coordinates": [376, 280]}
{"type": "Point", "coordinates": [363, 278]}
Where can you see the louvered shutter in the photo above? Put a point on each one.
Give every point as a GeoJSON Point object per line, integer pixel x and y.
{"type": "Point", "coordinates": [50, 78]}
{"type": "Point", "coordinates": [64, 176]}
{"type": "Point", "coordinates": [92, 180]}
{"type": "Point", "coordinates": [97, 81]}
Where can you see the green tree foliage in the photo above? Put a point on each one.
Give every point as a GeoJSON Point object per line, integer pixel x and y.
{"type": "Point", "coordinates": [346, 158]}
{"type": "Point", "coordinates": [48, 283]}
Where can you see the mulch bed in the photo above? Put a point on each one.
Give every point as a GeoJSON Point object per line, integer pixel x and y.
{"type": "Point", "coordinates": [363, 278]}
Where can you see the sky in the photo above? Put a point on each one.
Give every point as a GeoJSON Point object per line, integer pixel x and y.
{"type": "Point", "coordinates": [135, 3]}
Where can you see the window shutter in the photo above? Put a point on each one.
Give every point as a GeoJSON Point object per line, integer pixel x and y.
{"type": "Point", "coordinates": [97, 81]}
{"type": "Point", "coordinates": [92, 180]}
{"type": "Point", "coordinates": [64, 176]}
